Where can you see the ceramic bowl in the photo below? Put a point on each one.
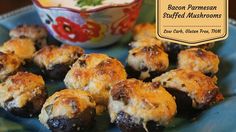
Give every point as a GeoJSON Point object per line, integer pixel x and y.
{"type": "Point", "coordinates": [93, 28]}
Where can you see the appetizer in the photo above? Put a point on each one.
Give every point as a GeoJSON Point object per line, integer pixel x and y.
{"type": "Point", "coordinates": [95, 73]}
{"type": "Point", "coordinates": [199, 60]}
{"type": "Point", "coordinates": [193, 90]}
{"type": "Point", "coordinates": [23, 94]}
{"type": "Point", "coordinates": [9, 65]}
{"type": "Point", "coordinates": [173, 49]}
{"type": "Point", "coordinates": [69, 110]}
{"type": "Point", "coordinates": [146, 62]}
{"type": "Point", "coordinates": [34, 32]}
{"type": "Point", "coordinates": [55, 61]}
{"type": "Point", "coordinates": [135, 106]}
{"type": "Point", "coordinates": [22, 47]}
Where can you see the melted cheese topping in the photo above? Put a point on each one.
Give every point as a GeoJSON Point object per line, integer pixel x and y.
{"type": "Point", "coordinates": [151, 58]}
{"type": "Point", "coordinates": [23, 48]}
{"type": "Point", "coordinates": [145, 35]}
{"type": "Point", "coordinates": [144, 31]}
{"type": "Point", "coordinates": [49, 56]}
{"type": "Point", "coordinates": [198, 60]}
{"type": "Point", "coordinates": [33, 32]}
{"type": "Point", "coordinates": [66, 103]}
{"type": "Point", "coordinates": [147, 42]}
{"type": "Point", "coordinates": [144, 101]}
{"type": "Point", "coordinates": [21, 88]}
{"type": "Point", "coordinates": [195, 84]}
{"type": "Point", "coordinates": [95, 73]}
{"type": "Point", "coordinates": [9, 63]}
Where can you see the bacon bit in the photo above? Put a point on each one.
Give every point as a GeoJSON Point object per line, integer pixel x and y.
{"type": "Point", "coordinates": [120, 93]}
{"type": "Point", "coordinates": [156, 84]}
{"type": "Point", "coordinates": [200, 53]}
{"type": "Point", "coordinates": [82, 63]}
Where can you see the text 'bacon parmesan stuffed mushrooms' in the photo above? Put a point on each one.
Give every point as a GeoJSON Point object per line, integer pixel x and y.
{"type": "Point", "coordinates": [193, 90]}
{"type": "Point", "coordinates": [55, 61]}
{"type": "Point", "coordinates": [95, 73]}
{"type": "Point", "coordinates": [69, 110]}
{"type": "Point", "coordinates": [135, 106]}
{"type": "Point", "coordinates": [23, 94]}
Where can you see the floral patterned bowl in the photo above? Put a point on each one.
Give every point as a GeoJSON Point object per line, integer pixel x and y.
{"type": "Point", "coordinates": [91, 28]}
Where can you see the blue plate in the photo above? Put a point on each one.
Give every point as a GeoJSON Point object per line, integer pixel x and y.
{"type": "Point", "coordinates": [216, 119]}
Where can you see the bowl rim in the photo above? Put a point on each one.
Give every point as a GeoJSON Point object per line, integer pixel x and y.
{"type": "Point", "coordinates": [37, 3]}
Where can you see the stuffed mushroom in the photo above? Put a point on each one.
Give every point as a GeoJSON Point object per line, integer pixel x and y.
{"type": "Point", "coordinates": [135, 106]}
{"type": "Point", "coordinates": [34, 32]}
{"type": "Point", "coordinates": [95, 73]}
{"type": "Point", "coordinates": [193, 90]}
{"type": "Point", "coordinates": [145, 35]}
{"type": "Point", "coordinates": [21, 47]}
{"type": "Point", "coordinates": [146, 62]}
{"type": "Point", "coordinates": [69, 110]}
{"type": "Point", "coordinates": [9, 65]}
{"type": "Point", "coordinates": [23, 94]}
{"type": "Point", "coordinates": [55, 61]}
{"type": "Point", "coordinates": [199, 60]}
{"type": "Point", "coordinates": [146, 42]}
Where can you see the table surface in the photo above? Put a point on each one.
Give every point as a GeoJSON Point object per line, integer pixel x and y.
{"type": "Point", "coordinates": [8, 5]}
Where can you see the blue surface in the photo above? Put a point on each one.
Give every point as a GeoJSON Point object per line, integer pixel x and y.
{"type": "Point", "coordinates": [219, 118]}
